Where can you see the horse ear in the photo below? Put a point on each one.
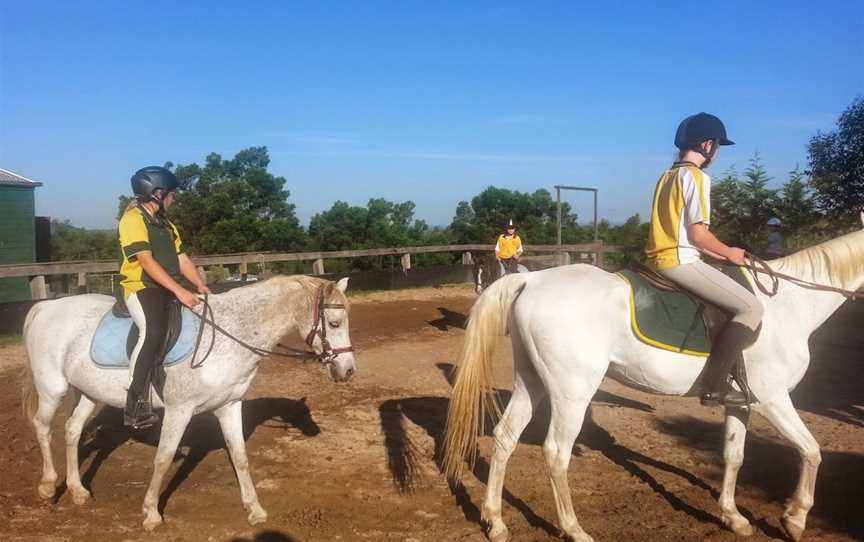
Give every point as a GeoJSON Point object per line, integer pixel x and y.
{"type": "Point", "coordinates": [342, 284]}
{"type": "Point", "coordinates": [862, 218]}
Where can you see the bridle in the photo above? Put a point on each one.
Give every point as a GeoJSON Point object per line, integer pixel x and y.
{"type": "Point", "coordinates": [319, 328]}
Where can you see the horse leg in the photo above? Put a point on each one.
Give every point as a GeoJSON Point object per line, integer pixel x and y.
{"type": "Point", "coordinates": [782, 415]}
{"type": "Point", "coordinates": [74, 425]}
{"type": "Point", "coordinates": [733, 457]}
{"type": "Point", "coordinates": [42, 423]}
{"type": "Point", "coordinates": [528, 392]}
{"type": "Point", "coordinates": [568, 414]}
{"type": "Point", "coordinates": [230, 418]}
{"type": "Point", "coordinates": [173, 426]}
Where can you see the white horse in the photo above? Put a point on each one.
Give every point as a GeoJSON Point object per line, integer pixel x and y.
{"type": "Point", "coordinates": [570, 326]}
{"type": "Point", "coordinates": [57, 335]}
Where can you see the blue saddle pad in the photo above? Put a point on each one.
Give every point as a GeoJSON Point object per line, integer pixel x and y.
{"type": "Point", "coordinates": [108, 349]}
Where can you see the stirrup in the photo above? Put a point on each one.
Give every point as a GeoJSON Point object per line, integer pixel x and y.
{"type": "Point", "coordinates": [729, 398]}
{"type": "Point", "coordinates": [142, 417]}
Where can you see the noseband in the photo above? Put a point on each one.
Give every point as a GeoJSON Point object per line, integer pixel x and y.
{"type": "Point", "coordinates": [319, 327]}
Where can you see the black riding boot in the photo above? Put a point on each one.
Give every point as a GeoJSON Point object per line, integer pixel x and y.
{"type": "Point", "coordinates": [716, 388]}
{"type": "Point", "coordinates": [139, 412]}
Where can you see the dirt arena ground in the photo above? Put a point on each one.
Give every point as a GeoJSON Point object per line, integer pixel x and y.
{"type": "Point", "coordinates": [355, 461]}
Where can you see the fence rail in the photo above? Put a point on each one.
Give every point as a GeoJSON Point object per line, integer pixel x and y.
{"type": "Point", "coordinates": [37, 272]}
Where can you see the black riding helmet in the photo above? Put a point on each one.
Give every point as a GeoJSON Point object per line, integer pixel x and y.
{"type": "Point", "coordinates": [511, 224]}
{"type": "Point", "coordinates": [147, 180]}
{"type": "Point", "coordinates": [698, 128]}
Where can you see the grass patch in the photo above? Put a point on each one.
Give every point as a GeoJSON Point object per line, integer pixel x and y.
{"type": "Point", "coordinates": [8, 340]}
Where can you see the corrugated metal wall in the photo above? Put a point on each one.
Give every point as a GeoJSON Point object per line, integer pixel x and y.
{"type": "Point", "coordinates": [17, 238]}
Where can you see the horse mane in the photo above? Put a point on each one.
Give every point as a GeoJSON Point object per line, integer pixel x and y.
{"type": "Point", "coordinates": [310, 285]}
{"type": "Point", "coordinates": [837, 262]}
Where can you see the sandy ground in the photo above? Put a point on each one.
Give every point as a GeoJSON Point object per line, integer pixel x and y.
{"type": "Point", "coordinates": [356, 461]}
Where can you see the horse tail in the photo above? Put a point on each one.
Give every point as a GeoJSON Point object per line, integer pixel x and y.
{"type": "Point", "coordinates": [29, 396]}
{"type": "Point", "coordinates": [471, 401]}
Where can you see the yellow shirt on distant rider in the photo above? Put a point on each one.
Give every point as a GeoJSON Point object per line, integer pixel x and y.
{"type": "Point", "coordinates": [507, 246]}
{"type": "Point", "coordinates": [682, 198]}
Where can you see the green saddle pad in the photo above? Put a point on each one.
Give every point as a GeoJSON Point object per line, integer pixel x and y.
{"type": "Point", "coordinates": [672, 320]}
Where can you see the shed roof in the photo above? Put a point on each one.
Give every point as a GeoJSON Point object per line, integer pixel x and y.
{"type": "Point", "coordinates": [7, 178]}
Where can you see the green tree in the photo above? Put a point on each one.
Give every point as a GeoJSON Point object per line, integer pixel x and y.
{"type": "Point", "coordinates": [72, 243]}
{"type": "Point", "coordinates": [797, 211]}
{"type": "Point", "coordinates": [484, 218]}
{"type": "Point", "coordinates": [235, 206]}
{"type": "Point", "coordinates": [741, 207]}
{"type": "Point", "coordinates": [381, 223]}
{"type": "Point", "coordinates": [837, 167]}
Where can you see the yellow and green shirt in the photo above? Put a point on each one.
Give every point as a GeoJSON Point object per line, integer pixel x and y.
{"type": "Point", "coordinates": [507, 247]}
{"type": "Point", "coordinates": [682, 198]}
{"type": "Point", "coordinates": [139, 231]}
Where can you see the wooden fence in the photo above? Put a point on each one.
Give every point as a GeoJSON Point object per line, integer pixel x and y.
{"type": "Point", "coordinates": [37, 272]}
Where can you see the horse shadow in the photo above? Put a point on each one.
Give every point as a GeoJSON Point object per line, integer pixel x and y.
{"type": "Point", "coordinates": [104, 433]}
{"type": "Point", "coordinates": [430, 413]}
{"type": "Point", "coordinates": [773, 468]}
{"type": "Point", "coordinates": [268, 536]}
{"type": "Point", "coordinates": [449, 319]}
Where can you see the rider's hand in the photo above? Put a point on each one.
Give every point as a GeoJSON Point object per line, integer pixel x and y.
{"type": "Point", "coordinates": [203, 289]}
{"type": "Point", "coordinates": [737, 255]}
{"type": "Point", "coordinates": [188, 298]}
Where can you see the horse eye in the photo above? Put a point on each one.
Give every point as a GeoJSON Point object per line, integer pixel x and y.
{"type": "Point", "coordinates": [334, 324]}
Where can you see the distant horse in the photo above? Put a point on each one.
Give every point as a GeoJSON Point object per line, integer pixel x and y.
{"type": "Point", "coordinates": [487, 269]}
{"type": "Point", "coordinates": [57, 335]}
{"type": "Point", "coordinates": [570, 326]}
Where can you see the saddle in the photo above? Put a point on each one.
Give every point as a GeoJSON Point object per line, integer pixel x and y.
{"type": "Point", "coordinates": [116, 336]}
{"type": "Point", "coordinates": [665, 316]}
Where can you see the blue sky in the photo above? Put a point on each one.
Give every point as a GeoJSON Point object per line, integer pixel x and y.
{"type": "Point", "coordinates": [427, 101]}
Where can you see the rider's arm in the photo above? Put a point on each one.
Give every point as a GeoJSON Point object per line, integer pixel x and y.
{"type": "Point", "coordinates": [188, 270]}
{"type": "Point", "coordinates": [704, 240]}
{"type": "Point", "coordinates": [519, 248]}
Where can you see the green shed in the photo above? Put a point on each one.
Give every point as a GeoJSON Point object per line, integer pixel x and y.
{"type": "Point", "coordinates": [17, 231]}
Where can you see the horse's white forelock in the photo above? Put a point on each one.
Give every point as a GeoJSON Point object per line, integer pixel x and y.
{"type": "Point", "coordinates": [837, 262]}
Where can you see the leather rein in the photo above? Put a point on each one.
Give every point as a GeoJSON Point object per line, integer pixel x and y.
{"type": "Point", "coordinates": [757, 265]}
{"type": "Point", "coordinates": [319, 328]}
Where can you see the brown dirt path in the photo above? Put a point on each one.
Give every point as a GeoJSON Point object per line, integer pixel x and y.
{"type": "Point", "coordinates": [355, 462]}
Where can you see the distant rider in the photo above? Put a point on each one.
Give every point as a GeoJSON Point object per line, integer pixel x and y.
{"type": "Point", "coordinates": [508, 249]}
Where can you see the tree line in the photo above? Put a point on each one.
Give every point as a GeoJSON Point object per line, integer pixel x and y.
{"type": "Point", "coordinates": [237, 205]}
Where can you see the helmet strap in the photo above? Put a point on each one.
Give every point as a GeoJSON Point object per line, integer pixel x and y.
{"type": "Point", "coordinates": [708, 157]}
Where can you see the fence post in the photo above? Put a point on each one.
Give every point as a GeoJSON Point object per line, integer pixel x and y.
{"type": "Point", "coordinates": [82, 283]}
{"type": "Point", "coordinates": [318, 267]}
{"type": "Point", "coordinates": [563, 258]}
{"type": "Point", "coordinates": [244, 271]}
{"type": "Point", "coordinates": [467, 259]}
{"type": "Point", "coordinates": [598, 258]}
{"type": "Point", "coordinates": [38, 289]}
{"type": "Point", "coordinates": [405, 261]}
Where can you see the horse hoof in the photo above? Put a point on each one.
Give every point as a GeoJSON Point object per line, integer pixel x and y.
{"type": "Point", "coordinates": [500, 534]}
{"type": "Point", "coordinates": [151, 523]}
{"type": "Point", "coordinates": [257, 516]}
{"type": "Point", "coordinates": [739, 525]}
{"type": "Point", "coordinates": [792, 529]}
{"type": "Point", "coordinates": [47, 490]}
{"type": "Point", "coordinates": [80, 496]}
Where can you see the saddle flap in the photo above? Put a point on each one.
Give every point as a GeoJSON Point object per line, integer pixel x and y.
{"type": "Point", "coordinates": [664, 316]}
{"type": "Point", "coordinates": [115, 338]}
